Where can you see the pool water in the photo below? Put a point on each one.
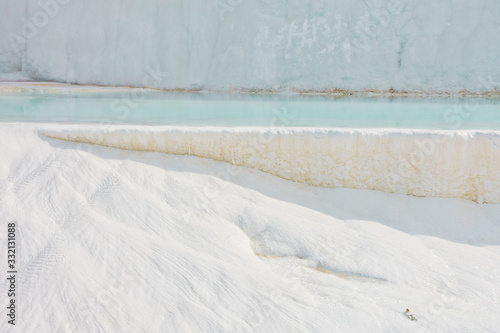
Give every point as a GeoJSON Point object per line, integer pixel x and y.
{"type": "Point", "coordinates": [199, 109]}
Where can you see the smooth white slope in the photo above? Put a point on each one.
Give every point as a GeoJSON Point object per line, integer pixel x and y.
{"type": "Point", "coordinates": [424, 45]}
{"type": "Point", "coordinates": [113, 240]}
{"type": "Point", "coordinates": [451, 164]}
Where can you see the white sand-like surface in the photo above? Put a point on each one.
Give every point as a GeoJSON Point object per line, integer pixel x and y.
{"type": "Point", "coordinates": [111, 240]}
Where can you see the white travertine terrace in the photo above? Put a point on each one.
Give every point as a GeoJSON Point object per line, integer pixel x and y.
{"type": "Point", "coordinates": [453, 164]}
{"type": "Point", "coordinates": [405, 45]}
{"type": "Point", "coordinates": [123, 241]}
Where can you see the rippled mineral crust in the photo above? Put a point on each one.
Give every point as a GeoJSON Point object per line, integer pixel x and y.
{"type": "Point", "coordinates": [452, 164]}
{"type": "Point", "coordinates": [252, 45]}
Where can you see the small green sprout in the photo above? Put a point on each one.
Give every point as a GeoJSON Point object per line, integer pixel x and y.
{"type": "Point", "coordinates": [409, 315]}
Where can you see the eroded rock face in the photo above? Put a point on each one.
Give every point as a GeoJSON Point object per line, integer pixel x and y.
{"type": "Point", "coordinates": [413, 45]}
{"type": "Point", "coordinates": [450, 164]}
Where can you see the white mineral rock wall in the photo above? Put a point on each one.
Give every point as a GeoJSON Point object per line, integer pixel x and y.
{"type": "Point", "coordinates": [425, 45]}
{"type": "Point", "coordinates": [12, 40]}
{"type": "Point", "coordinates": [456, 164]}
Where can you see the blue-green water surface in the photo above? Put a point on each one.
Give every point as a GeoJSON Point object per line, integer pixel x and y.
{"type": "Point", "coordinates": [199, 109]}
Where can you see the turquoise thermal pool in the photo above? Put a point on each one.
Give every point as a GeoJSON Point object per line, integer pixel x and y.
{"type": "Point", "coordinates": [198, 109]}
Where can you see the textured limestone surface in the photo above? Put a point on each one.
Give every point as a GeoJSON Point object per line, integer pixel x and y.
{"type": "Point", "coordinates": [406, 45]}
{"type": "Point", "coordinates": [453, 164]}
